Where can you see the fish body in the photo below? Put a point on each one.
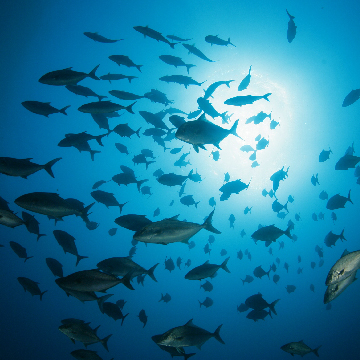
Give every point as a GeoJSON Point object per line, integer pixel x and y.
{"type": "Point", "coordinates": [173, 179]}
{"type": "Point", "coordinates": [83, 91]}
{"type": "Point", "coordinates": [9, 219]}
{"type": "Point", "coordinates": [194, 50]}
{"type": "Point", "coordinates": [31, 286]}
{"type": "Point", "coordinates": [146, 31]}
{"type": "Point", "coordinates": [334, 290]}
{"type": "Point", "coordinates": [331, 238]}
{"type": "Point", "coordinates": [106, 198]}
{"type": "Point", "coordinates": [83, 354]}
{"type": "Point", "coordinates": [132, 222]}
{"type": "Point", "coordinates": [124, 95]}
{"type": "Point", "coordinates": [104, 107]}
{"type": "Point", "coordinates": [19, 250]}
{"type": "Point", "coordinates": [245, 100]}
{"type": "Point", "coordinates": [270, 234]}
{"type": "Point", "coordinates": [124, 60]}
{"type": "Point", "coordinates": [215, 40]}
{"type": "Point", "coordinates": [207, 302]}
{"type": "Point", "coordinates": [245, 81]}
{"type": "Point", "coordinates": [347, 162]}
{"type": "Point", "coordinates": [66, 77]}
{"type": "Point", "coordinates": [124, 130]}
{"type": "Point", "coordinates": [55, 267]}
{"type": "Point", "coordinates": [324, 155]}
{"type": "Point", "coordinates": [291, 30]}
{"type": "Point", "coordinates": [206, 270]}
{"type": "Point", "coordinates": [201, 132]}
{"type": "Point", "coordinates": [111, 77]}
{"type": "Point", "coordinates": [299, 348]}
{"type": "Point", "coordinates": [43, 108]}
{"type": "Point", "coordinates": [180, 79]}
{"type": "Point", "coordinates": [172, 230]}
{"type": "Point", "coordinates": [157, 96]}
{"type": "Point", "coordinates": [343, 268]}
{"type": "Point", "coordinates": [232, 187]}
{"type": "Point", "coordinates": [155, 120]}
{"type": "Point", "coordinates": [353, 96]}
{"type": "Point", "coordinates": [188, 335]}
{"type": "Point", "coordinates": [175, 61]}
{"type": "Point", "coordinates": [338, 202]}
{"type": "Point", "coordinates": [208, 109]}
{"type": "Point", "coordinates": [99, 38]}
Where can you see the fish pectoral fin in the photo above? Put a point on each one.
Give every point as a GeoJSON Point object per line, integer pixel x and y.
{"type": "Point", "coordinates": [180, 350]}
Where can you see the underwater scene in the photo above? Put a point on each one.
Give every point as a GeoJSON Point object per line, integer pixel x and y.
{"type": "Point", "coordinates": [179, 180]}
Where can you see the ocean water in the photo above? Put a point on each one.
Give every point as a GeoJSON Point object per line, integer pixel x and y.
{"type": "Point", "coordinates": [308, 80]}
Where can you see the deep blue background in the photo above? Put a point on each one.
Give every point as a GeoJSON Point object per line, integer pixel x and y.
{"type": "Point", "coordinates": [308, 79]}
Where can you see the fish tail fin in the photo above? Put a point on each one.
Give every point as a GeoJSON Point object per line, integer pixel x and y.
{"type": "Point", "coordinates": [99, 137]}
{"type": "Point", "coordinates": [39, 236]}
{"type": "Point", "coordinates": [123, 318]}
{"type": "Point", "coordinates": [349, 197]}
{"type": "Point", "coordinates": [139, 183]}
{"type": "Point", "coordinates": [126, 280]}
{"type": "Point", "coordinates": [266, 96]}
{"type": "Point", "coordinates": [315, 351]}
{"type": "Point", "coordinates": [121, 206]}
{"type": "Point", "coordinates": [243, 281]}
{"type": "Point", "coordinates": [93, 152]}
{"type": "Point", "coordinates": [272, 306]}
{"type": "Point", "coordinates": [200, 303]}
{"type": "Point", "coordinates": [41, 295]}
{"type": "Point", "coordinates": [188, 67]}
{"type": "Point", "coordinates": [48, 166]}
{"type": "Point", "coordinates": [172, 45]}
{"type": "Point", "coordinates": [100, 97]}
{"type": "Point", "coordinates": [101, 301]}
{"type": "Point", "coordinates": [228, 82]}
{"type": "Point", "coordinates": [29, 257]}
{"type": "Point", "coordinates": [137, 132]}
{"type": "Point", "coordinates": [78, 258]}
{"type": "Point", "coordinates": [190, 173]}
{"type": "Point", "coordinates": [150, 272]}
{"type": "Point", "coordinates": [270, 313]}
{"type": "Point", "coordinates": [196, 204]}
{"type": "Point", "coordinates": [287, 232]}
{"type": "Point", "coordinates": [84, 214]}
{"type": "Point", "coordinates": [139, 67]}
{"type": "Point", "coordinates": [92, 73]}
{"type": "Point", "coordinates": [162, 297]}
{"type": "Point", "coordinates": [104, 342]}
{"type": "Point", "coordinates": [129, 108]}
{"type": "Point", "coordinates": [233, 129]}
{"type": "Point", "coordinates": [268, 273]}
{"type": "Point", "coordinates": [130, 78]}
{"type": "Point", "coordinates": [148, 163]}
{"type": "Point", "coordinates": [342, 235]}
{"type": "Point", "coordinates": [223, 265]}
{"type": "Point", "coordinates": [63, 110]}
{"type": "Point", "coordinates": [208, 226]}
{"type": "Point", "coordinates": [290, 16]}
{"type": "Point", "coordinates": [230, 43]}
{"type": "Point", "coordinates": [216, 334]}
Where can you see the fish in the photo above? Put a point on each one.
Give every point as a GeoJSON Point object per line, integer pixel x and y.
{"type": "Point", "coordinates": [133, 222]}
{"type": "Point", "coordinates": [259, 118]}
{"type": "Point", "coordinates": [343, 268]}
{"type": "Point", "coordinates": [92, 280]}
{"type": "Point", "coordinates": [67, 242]}
{"type": "Point", "coordinates": [175, 61]}
{"type": "Point", "coordinates": [83, 91]}
{"type": "Point", "coordinates": [120, 266]}
{"type": "Point", "coordinates": [206, 270]}
{"type": "Point", "coordinates": [331, 238]}
{"type": "Point", "coordinates": [106, 198]}
{"type": "Point", "coordinates": [259, 272]}
{"type": "Point", "coordinates": [210, 90]}
{"type": "Point", "coordinates": [207, 249]}
{"type": "Point", "coordinates": [194, 50]}
{"type": "Point", "coordinates": [143, 317]}
{"type": "Point", "coordinates": [112, 310]}
{"type": "Point", "coordinates": [273, 124]}
{"type": "Point", "coordinates": [55, 267]}
{"type": "Point", "coordinates": [181, 80]}
{"type": "Point", "coordinates": [291, 30]}
{"type": "Point", "coordinates": [172, 230]}
{"type": "Point", "coordinates": [208, 109]}
{"type": "Point", "coordinates": [83, 354]}
{"type": "Point", "coordinates": [157, 96]}
{"type": "Point", "coordinates": [248, 279]}
{"type": "Point", "coordinates": [207, 286]}
{"type": "Point", "coordinates": [51, 204]}
{"type": "Point", "coordinates": [270, 234]}
{"type": "Point", "coordinates": [99, 38]}
{"type": "Point", "coordinates": [19, 250]}
{"type": "Point", "coordinates": [232, 187]}
{"type": "Point", "coordinates": [207, 302]}
{"type": "Point", "coordinates": [245, 81]}
{"type": "Point", "coordinates": [124, 130]}
{"type": "Point", "coordinates": [258, 315]}
{"type": "Point", "coordinates": [177, 121]}
{"type": "Point", "coordinates": [124, 95]}
{"type": "Point", "coordinates": [338, 202]}
{"type": "Point", "coordinates": [290, 288]}
{"type": "Point", "coordinates": [242, 307]}
{"type": "Point", "coordinates": [188, 335]}
{"type": "Point", "coordinates": [278, 176]}
{"type": "Point", "coordinates": [299, 348]}
{"type": "Point", "coordinates": [323, 195]}
{"type": "Point", "coordinates": [43, 108]}
{"type": "Point", "coordinates": [31, 286]}
{"type": "Point", "coordinates": [81, 331]}
{"type": "Point", "coordinates": [155, 120]}
{"type": "Point", "coordinates": [347, 162]}
{"type": "Point", "coordinates": [214, 39]}
{"type": "Point", "coordinates": [276, 278]}
{"type": "Point", "coordinates": [188, 200]}
{"type": "Point", "coordinates": [124, 60]}
{"type": "Point", "coordinates": [112, 77]}
{"type": "Point", "coordinates": [146, 31]}
{"type": "Point", "coordinates": [245, 100]}
{"type": "Point", "coordinates": [165, 298]}
{"type": "Point", "coordinates": [351, 98]}
{"type": "Point", "coordinates": [258, 303]}
{"type": "Point", "coordinates": [169, 264]}
{"type": "Point", "coordinates": [32, 225]}
{"type": "Point", "coordinates": [232, 220]}
{"type": "Point", "coordinates": [104, 107]}
{"type": "Point", "coordinates": [67, 77]}
{"type": "Point", "coordinates": [98, 184]}
{"type": "Point", "coordinates": [176, 38]}
{"type": "Point", "coordinates": [201, 132]}
{"type": "Point", "coordinates": [324, 155]}
{"type": "Point", "coordinates": [173, 179]}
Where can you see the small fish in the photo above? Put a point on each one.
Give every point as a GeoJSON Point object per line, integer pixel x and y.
{"type": "Point", "coordinates": [99, 38]}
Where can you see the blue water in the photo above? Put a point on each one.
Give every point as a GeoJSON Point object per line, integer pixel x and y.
{"type": "Point", "coordinates": [308, 79]}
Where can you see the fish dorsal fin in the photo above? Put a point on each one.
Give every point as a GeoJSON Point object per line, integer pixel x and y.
{"type": "Point", "coordinates": [95, 330]}
{"type": "Point", "coordinates": [69, 68]}
{"type": "Point", "coordinates": [206, 262]}
{"type": "Point", "coordinates": [173, 218]}
{"type": "Point", "coordinates": [302, 341]}
{"type": "Point", "coordinates": [189, 323]}
{"type": "Point", "coordinates": [27, 159]}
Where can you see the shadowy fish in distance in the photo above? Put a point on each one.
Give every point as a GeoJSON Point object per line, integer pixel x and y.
{"type": "Point", "coordinates": [338, 202]}
{"type": "Point", "coordinates": [245, 100]}
{"type": "Point", "coordinates": [133, 222]}
{"type": "Point", "coordinates": [117, 77]}
{"type": "Point", "coordinates": [67, 77]}
{"type": "Point", "coordinates": [43, 108]}
{"type": "Point", "coordinates": [347, 162]}
{"type": "Point", "coordinates": [175, 61]}
{"type": "Point", "coordinates": [124, 95]}
{"type": "Point", "coordinates": [181, 80]}
{"type": "Point", "coordinates": [194, 50]}
{"type": "Point", "coordinates": [31, 286]}
{"type": "Point", "coordinates": [270, 234]}
{"type": "Point", "coordinates": [210, 90]}
{"type": "Point", "coordinates": [324, 155]}
{"type": "Point", "coordinates": [245, 81]}
{"type": "Point", "coordinates": [291, 30]}
{"type": "Point", "coordinates": [176, 38]}
{"type": "Point", "coordinates": [146, 31]}
{"type": "Point", "coordinates": [171, 230]}
{"type": "Point", "coordinates": [55, 267]}
{"type": "Point", "coordinates": [214, 39]}
{"type": "Point", "coordinates": [206, 270]}
{"type": "Point", "coordinates": [106, 198]}
{"type": "Point", "coordinates": [24, 167]}
{"type": "Point", "coordinates": [104, 107]}
{"type": "Point", "coordinates": [173, 179]}
{"type": "Point", "coordinates": [352, 97]}
{"type": "Point", "coordinates": [99, 38]}
{"type": "Point", "coordinates": [83, 91]}
{"type": "Point", "coordinates": [299, 348]}
{"type": "Point", "coordinates": [19, 250]}
{"type": "Point", "coordinates": [124, 60]}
